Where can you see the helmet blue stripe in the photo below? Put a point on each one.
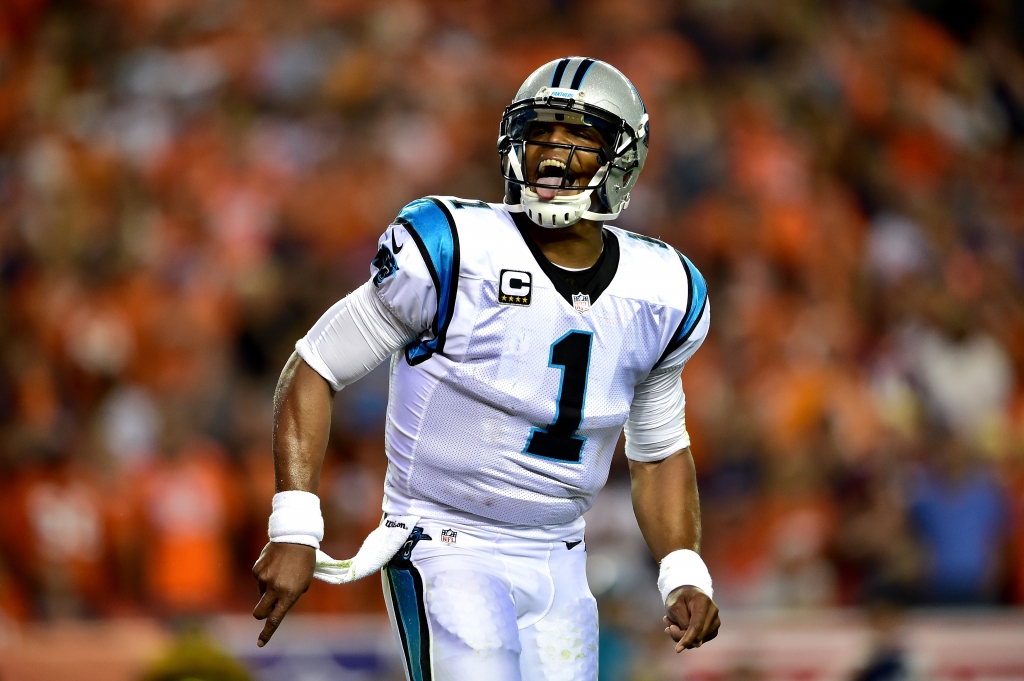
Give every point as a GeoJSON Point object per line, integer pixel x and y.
{"type": "Point", "coordinates": [581, 73]}
{"type": "Point", "coordinates": [556, 80]}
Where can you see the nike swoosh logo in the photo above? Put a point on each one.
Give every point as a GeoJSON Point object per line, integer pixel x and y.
{"type": "Point", "coordinates": [570, 545]}
{"type": "Point", "coordinates": [395, 248]}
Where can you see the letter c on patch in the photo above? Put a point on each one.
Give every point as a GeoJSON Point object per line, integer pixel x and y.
{"type": "Point", "coordinates": [515, 283]}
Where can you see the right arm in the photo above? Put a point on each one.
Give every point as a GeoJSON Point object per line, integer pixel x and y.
{"type": "Point", "coordinates": [302, 423]}
{"type": "Point", "coordinates": [351, 338]}
{"type": "Point", "coordinates": [347, 342]}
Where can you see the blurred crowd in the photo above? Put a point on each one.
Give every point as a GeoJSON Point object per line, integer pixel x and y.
{"type": "Point", "coordinates": [185, 185]}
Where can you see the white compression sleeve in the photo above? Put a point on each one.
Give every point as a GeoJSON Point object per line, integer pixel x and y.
{"type": "Point", "coordinates": [355, 335]}
{"type": "Point", "coordinates": [656, 427]}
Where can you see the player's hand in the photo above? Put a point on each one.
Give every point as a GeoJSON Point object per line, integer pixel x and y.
{"type": "Point", "coordinates": [284, 572]}
{"type": "Point", "coordinates": [692, 618]}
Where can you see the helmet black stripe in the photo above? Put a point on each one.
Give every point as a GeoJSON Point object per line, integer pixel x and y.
{"type": "Point", "coordinates": [556, 80]}
{"type": "Point", "coordinates": [581, 73]}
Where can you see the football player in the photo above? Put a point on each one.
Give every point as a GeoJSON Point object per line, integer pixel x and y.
{"type": "Point", "coordinates": [523, 337]}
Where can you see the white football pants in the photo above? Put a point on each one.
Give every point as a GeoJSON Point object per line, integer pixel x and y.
{"type": "Point", "coordinates": [468, 604]}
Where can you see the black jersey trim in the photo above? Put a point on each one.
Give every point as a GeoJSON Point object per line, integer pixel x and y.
{"type": "Point", "coordinates": [690, 321]}
{"type": "Point", "coordinates": [607, 265]}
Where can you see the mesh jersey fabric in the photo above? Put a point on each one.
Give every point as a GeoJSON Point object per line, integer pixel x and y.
{"type": "Point", "coordinates": [484, 376]}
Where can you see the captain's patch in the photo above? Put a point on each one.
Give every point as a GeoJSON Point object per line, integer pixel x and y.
{"type": "Point", "coordinates": [515, 288]}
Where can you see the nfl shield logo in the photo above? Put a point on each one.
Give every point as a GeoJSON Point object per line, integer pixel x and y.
{"type": "Point", "coordinates": [581, 301]}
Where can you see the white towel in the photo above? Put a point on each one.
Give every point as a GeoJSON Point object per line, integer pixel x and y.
{"type": "Point", "coordinates": [378, 548]}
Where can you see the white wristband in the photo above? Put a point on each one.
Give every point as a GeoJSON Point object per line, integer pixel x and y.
{"type": "Point", "coordinates": [296, 519]}
{"type": "Point", "coordinates": [683, 568]}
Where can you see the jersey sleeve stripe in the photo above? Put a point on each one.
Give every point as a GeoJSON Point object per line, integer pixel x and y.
{"type": "Point", "coordinates": [698, 295]}
{"type": "Point", "coordinates": [696, 301]}
{"type": "Point", "coordinates": [432, 228]}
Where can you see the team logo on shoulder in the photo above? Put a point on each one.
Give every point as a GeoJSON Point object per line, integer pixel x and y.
{"type": "Point", "coordinates": [515, 287]}
{"type": "Point", "coordinates": [385, 264]}
{"type": "Point", "coordinates": [449, 536]}
{"type": "Point", "coordinates": [581, 301]}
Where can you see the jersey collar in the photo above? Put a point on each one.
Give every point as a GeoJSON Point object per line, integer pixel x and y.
{"type": "Point", "coordinates": [592, 281]}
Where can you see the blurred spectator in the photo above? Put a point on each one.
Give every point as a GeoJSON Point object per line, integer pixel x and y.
{"type": "Point", "coordinates": [58, 535]}
{"type": "Point", "coordinates": [189, 508]}
{"type": "Point", "coordinates": [875, 546]}
{"type": "Point", "coordinates": [966, 376]}
{"type": "Point", "coordinates": [960, 511]}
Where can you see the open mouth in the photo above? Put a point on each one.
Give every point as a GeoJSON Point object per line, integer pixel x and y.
{"type": "Point", "coordinates": [550, 173]}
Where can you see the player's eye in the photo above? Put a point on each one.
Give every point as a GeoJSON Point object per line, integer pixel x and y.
{"type": "Point", "coordinates": [538, 130]}
{"type": "Point", "coordinates": [590, 135]}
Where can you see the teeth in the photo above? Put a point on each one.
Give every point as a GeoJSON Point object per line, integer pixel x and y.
{"type": "Point", "coordinates": [552, 163]}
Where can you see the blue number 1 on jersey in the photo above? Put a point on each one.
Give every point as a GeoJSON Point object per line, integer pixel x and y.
{"type": "Point", "coordinates": [571, 354]}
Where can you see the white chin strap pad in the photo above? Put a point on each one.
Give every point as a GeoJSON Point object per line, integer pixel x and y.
{"type": "Point", "coordinates": [560, 211]}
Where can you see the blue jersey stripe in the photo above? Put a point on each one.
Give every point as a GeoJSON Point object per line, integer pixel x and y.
{"type": "Point", "coordinates": [432, 227]}
{"type": "Point", "coordinates": [696, 301]}
{"type": "Point", "coordinates": [698, 296]}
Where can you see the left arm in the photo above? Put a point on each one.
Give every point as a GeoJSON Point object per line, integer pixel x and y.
{"type": "Point", "coordinates": [664, 485]}
{"type": "Point", "coordinates": [664, 480]}
{"type": "Point", "coordinates": [667, 509]}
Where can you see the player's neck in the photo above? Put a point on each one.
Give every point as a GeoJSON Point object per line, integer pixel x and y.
{"type": "Point", "coordinates": [577, 246]}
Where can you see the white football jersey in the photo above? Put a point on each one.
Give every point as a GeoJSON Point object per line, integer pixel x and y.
{"type": "Point", "coordinates": [507, 408]}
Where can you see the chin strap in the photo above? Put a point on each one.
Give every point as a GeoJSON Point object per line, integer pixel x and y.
{"type": "Point", "coordinates": [600, 217]}
{"type": "Point", "coordinates": [554, 206]}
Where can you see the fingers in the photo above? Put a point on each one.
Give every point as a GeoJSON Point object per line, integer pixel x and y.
{"type": "Point", "coordinates": [692, 620]}
{"type": "Point", "coordinates": [692, 636]}
{"type": "Point", "coordinates": [268, 599]}
{"type": "Point", "coordinates": [274, 619]}
{"type": "Point", "coordinates": [712, 629]}
{"type": "Point", "coordinates": [673, 630]}
{"type": "Point", "coordinates": [284, 572]}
